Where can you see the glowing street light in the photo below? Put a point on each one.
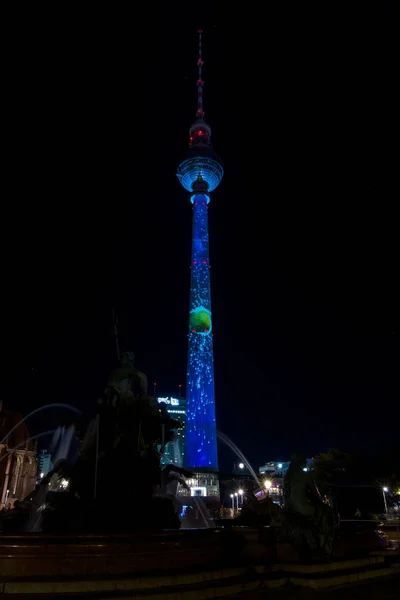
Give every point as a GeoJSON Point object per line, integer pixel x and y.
{"type": "Point", "coordinates": [240, 492]}
{"type": "Point", "coordinates": [233, 502]}
{"type": "Point", "coordinates": [267, 484]}
{"type": "Point", "coordinates": [384, 490]}
{"type": "Point", "coordinates": [241, 466]}
{"type": "Point", "coordinates": [237, 500]}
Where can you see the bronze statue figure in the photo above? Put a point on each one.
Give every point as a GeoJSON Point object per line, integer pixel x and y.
{"type": "Point", "coordinates": [309, 521]}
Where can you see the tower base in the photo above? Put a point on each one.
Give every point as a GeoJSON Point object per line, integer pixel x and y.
{"type": "Point", "coordinates": [200, 503]}
{"type": "Point", "coordinates": [203, 484]}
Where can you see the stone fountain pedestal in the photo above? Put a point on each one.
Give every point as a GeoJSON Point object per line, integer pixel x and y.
{"type": "Point", "coordinates": [197, 564]}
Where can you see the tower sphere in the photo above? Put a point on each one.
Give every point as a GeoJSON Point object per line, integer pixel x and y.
{"type": "Point", "coordinates": [207, 168]}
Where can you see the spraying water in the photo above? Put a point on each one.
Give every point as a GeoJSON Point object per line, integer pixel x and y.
{"type": "Point", "coordinates": [232, 446]}
{"type": "Point", "coordinates": [202, 510]}
{"type": "Point", "coordinates": [228, 442]}
{"type": "Point", "coordinates": [64, 445]}
{"type": "Point", "coordinates": [39, 494]}
{"type": "Point", "coordinates": [55, 405]}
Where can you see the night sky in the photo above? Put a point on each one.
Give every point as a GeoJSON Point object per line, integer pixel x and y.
{"type": "Point", "coordinates": [304, 244]}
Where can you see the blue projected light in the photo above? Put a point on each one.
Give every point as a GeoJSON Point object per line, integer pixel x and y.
{"type": "Point", "coordinates": [200, 173]}
{"type": "Point", "coordinates": [201, 435]}
{"type": "Point", "coordinates": [207, 168]}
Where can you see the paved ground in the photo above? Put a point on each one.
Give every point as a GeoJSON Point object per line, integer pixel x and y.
{"type": "Point", "coordinates": [388, 589]}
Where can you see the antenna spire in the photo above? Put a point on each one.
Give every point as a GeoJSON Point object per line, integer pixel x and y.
{"type": "Point", "coordinates": [115, 324]}
{"type": "Point", "coordinates": [200, 82]}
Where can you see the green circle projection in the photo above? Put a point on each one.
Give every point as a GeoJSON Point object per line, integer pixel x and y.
{"type": "Point", "coordinates": [200, 320]}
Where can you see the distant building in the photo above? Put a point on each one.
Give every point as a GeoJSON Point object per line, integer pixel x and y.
{"type": "Point", "coordinates": [202, 484]}
{"type": "Point", "coordinates": [18, 463]}
{"type": "Point", "coordinates": [279, 468]}
{"type": "Point", "coordinates": [272, 478]}
{"type": "Point", "coordinates": [44, 463]}
{"type": "Point", "coordinates": [175, 451]}
{"type": "Point", "coordinates": [274, 469]}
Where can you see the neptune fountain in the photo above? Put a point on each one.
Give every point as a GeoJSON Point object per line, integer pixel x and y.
{"type": "Point", "coordinates": [106, 470]}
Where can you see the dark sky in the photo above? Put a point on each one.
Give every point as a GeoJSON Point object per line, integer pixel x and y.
{"type": "Point", "coordinates": [303, 104]}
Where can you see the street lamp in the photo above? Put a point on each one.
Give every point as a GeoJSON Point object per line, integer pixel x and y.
{"type": "Point", "coordinates": [384, 490]}
{"type": "Point", "coordinates": [240, 492]}
{"type": "Point", "coordinates": [237, 500]}
{"type": "Point", "coordinates": [233, 504]}
{"type": "Point", "coordinates": [267, 484]}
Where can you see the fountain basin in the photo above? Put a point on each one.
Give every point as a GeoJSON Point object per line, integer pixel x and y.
{"type": "Point", "coordinates": [48, 555]}
{"type": "Point", "coordinates": [42, 556]}
{"type": "Point", "coordinates": [188, 563]}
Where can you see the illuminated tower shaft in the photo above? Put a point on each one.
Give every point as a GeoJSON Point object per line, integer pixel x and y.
{"type": "Point", "coordinates": [200, 173]}
{"type": "Point", "coordinates": [201, 442]}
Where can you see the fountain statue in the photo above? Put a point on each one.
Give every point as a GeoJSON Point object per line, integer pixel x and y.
{"type": "Point", "coordinates": [106, 470]}
{"type": "Point", "coordinates": [306, 520]}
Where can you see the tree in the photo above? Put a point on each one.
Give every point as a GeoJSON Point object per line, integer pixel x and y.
{"type": "Point", "coordinates": [334, 465]}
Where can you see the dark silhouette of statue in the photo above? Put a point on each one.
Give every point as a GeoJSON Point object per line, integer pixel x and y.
{"type": "Point", "coordinates": [309, 521]}
{"type": "Point", "coordinates": [114, 484]}
{"type": "Point", "coordinates": [306, 521]}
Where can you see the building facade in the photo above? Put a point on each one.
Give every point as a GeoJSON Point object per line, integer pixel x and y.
{"type": "Point", "coordinates": [44, 463]}
{"type": "Point", "coordinates": [200, 173]}
{"type": "Point", "coordinates": [18, 463]}
{"type": "Point", "coordinates": [174, 452]}
{"type": "Point", "coordinates": [279, 469]}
